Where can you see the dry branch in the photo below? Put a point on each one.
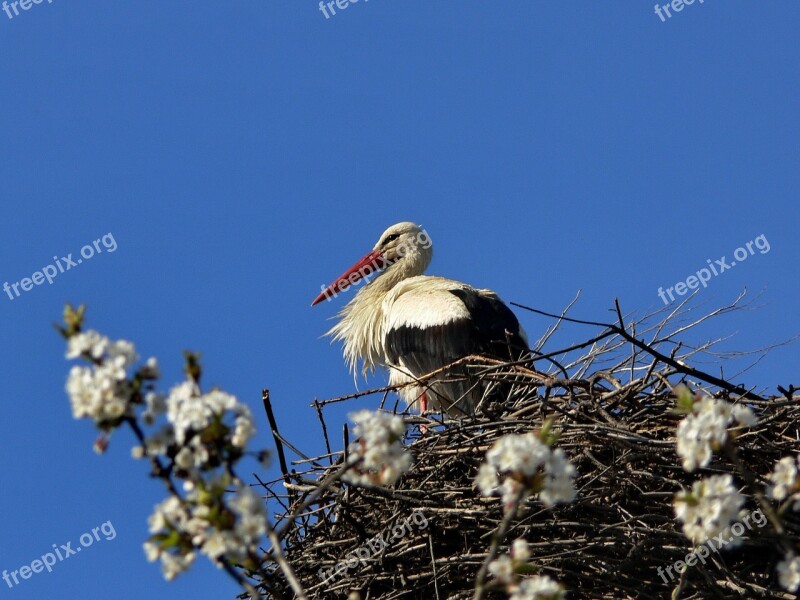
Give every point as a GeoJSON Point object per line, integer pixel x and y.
{"type": "Point", "coordinates": [611, 398]}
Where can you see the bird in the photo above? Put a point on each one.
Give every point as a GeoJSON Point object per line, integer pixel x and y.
{"type": "Point", "coordinates": [415, 324]}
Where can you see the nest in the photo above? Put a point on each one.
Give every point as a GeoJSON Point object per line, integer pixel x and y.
{"type": "Point", "coordinates": [612, 400]}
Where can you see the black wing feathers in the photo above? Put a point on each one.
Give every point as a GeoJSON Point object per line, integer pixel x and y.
{"type": "Point", "coordinates": [426, 349]}
{"type": "Point", "coordinates": [492, 319]}
{"type": "Point", "coordinates": [491, 330]}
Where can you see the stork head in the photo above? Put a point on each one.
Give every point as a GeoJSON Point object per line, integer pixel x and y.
{"type": "Point", "coordinates": [405, 249]}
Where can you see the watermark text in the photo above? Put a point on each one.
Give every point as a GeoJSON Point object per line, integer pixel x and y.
{"type": "Point", "coordinates": [326, 7]}
{"type": "Point", "coordinates": [60, 265]}
{"type": "Point", "coordinates": [374, 546]}
{"type": "Point", "coordinates": [719, 266]}
{"type": "Point", "coordinates": [676, 6]}
{"type": "Point", "coordinates": [23, 4]}
{"type": "Point", "coordinates": [62, 552]}
{"type": "Point", "coordinates": [702, 552]}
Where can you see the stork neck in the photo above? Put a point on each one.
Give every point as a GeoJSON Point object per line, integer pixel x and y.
{"type": "Point", "coordinates": [391, 276]}
{"type": "Point", "coordinates": [360, 326]}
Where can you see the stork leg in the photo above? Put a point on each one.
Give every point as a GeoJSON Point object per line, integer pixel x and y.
{"type": "Point", "coordinates": [423, 408]}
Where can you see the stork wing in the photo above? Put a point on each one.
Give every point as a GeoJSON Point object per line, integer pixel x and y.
{"type": "Point", "coordinates": [435, 322]}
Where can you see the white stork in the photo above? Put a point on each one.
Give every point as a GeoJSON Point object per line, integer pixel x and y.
{"type": "Point", "coordinates": [415, 324]}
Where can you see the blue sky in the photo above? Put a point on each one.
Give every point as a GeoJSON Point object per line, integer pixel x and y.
{"type": "Point", "coordinates": [244, 153]}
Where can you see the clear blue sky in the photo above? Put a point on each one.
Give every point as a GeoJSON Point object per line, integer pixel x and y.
{"type": "Point", "coordinates": [244, 153]}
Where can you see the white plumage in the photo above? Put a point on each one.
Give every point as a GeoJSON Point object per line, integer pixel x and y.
{"type": "Point", "coordinates": [414, 324]}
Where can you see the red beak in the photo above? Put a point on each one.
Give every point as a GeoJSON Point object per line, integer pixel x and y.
{"type": "Point", "coordinates": [370, 263]}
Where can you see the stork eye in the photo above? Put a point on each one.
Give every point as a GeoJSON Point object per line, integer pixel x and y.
{"type": "Point", "coordinates": [390, 238]}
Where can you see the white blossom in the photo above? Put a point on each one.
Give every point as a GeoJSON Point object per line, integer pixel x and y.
{"type": "Point", "coordinates": [243, 427]}
{"type": "Point", "coordinates": [378, 456]}
{"type": "Point", "coordinates": [487, 480]}
{"type": "Point", "coordinates": [744, 415]}
{"type": "Point", "coordinates": [538, 587]}
{"type": "Point", "coordinates": [151, 369]}
{"type": "Point", "coordinates": [170, 513]}
{"type": "Point", "coordinates": [173, 565]}
{"type": "Point", "coordinates": [89, 342]}
{"type": "Point", "coordinates": [502, 568]}
{"type": "Point", "coordinates": [203, 432]}
{"type": "Point", "coordinates": [524, 457]}
{"type": "Point", "coordinates": [122, 353]}
{"type": "Point", "coordinates": [199, 527]}
{"type": "Point", "coordinates": [97, 392]}
{"type": "Point", "coordinates": [191, 412]}
{"type": "Point", "coordinates": [559, 474]}
{"type": "Point", "coordinates": [522, 454]}
{"type": "Point", "coordinates": [192, 455]}
{"type": "Point", "coordinates": [187, 410]}
{"type": "Point", "coordinates": [250, 526]}
{"type": "Point", "coordinates": [705, 429]}
{"type": "Point", "coordinates": [789, 572]}
{"type": "Point", "coordinates": [785, 479]}
{"type": "Point", "coordinates": [520, 550]}
{"type": "Point", "coordinates": [251, 522]}
{"type": "Point", "coordinates": [221, 543]}
{"type": "Point", "coordinates": [152, 551]}
{"type": "Point", "coordinates": [709, 508]}
{"type": "Point", "coordinates": [507, 568]}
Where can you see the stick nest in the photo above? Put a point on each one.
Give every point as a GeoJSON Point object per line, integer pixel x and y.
{"type": "Point", "coordinates": [612, 400]}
